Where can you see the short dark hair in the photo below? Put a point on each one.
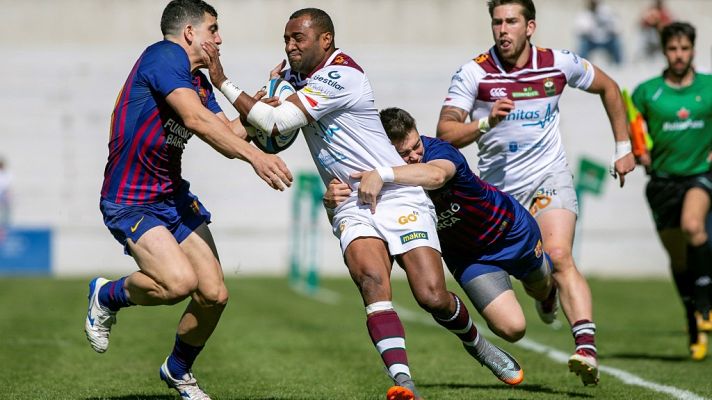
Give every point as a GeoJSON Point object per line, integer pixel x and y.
{"type": "Point", "coordinates": [677, 29]}
{"type": "Point", "coordinates": [529, 11]}
{"type": "Point", "coordinates": [180, 12]}
{"type": "Point", "coordinates": [320, 19]}
{"type": "Point", "coordinates": [397, 123]}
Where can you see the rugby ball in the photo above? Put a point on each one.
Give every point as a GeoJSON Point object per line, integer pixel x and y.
{"type": "Point", "coordinates": [264, 140]}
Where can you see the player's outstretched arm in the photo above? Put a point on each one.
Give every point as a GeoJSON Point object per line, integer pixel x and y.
{"type": "Point", "coordinates": [208, 127]}
{"type": "Point", "coordinates": [431, 175]}
{"type": "Point", "coordinates": [453, 128]}
{"type": "Point", "coordinates": [287, 117]}
{"type": "Point", "coordinates": [607, 88]}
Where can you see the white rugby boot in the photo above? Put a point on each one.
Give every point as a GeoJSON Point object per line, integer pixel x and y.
{"type": "Point", "coordinates": [97, 325]}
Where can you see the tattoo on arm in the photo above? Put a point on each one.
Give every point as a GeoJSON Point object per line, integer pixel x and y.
{"type": "Point", "coordinates": [449, 113]}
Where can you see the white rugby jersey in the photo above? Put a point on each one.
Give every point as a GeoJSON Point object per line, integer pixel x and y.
{"type": "Point", "coordinates": [520, 150]}
{"type": "Point", "coordinates": [346, 135]}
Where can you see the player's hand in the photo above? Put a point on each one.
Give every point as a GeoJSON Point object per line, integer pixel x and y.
{"type": "Point", "coordinates": [622, 166]}
{"type": "Point", "coordinates": [370, 187]}
{"type": "Point", "coordinates": [276, 71]}
{"type": "Point", "coordinates": [272, 170]}
{"type": "Point", "coordinates": [645, 161]}
{"type": "Point", "coordinates": [212, 60]}
{"type": "Point", "coordinates": [501, 108]}
{"type": "Point", "coordinates": [336, 193]}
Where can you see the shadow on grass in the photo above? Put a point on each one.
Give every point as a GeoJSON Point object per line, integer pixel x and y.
{"type": "Point", "coordinates": [644, 356]}
{"type": "Point", "coordinates": [172, 397]}
{"type": "Point", "coordinates": [525, 387]}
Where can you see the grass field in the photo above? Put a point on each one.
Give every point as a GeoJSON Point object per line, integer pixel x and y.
{"type": "Point", "coordinates": [275, 343]}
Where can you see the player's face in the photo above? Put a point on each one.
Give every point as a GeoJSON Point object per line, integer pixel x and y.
{"type": "Point", "coordinates": [511, 31]}
{"type": "Point", "coordinates": [206, 31]}
{"type": "Point", "coordinates": [411, 148]}
{"type": "Point", "coordinates": [303, 45]}
{"type": "Point", "coordinates": [679, 53]}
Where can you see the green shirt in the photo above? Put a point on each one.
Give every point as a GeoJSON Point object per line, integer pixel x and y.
{"type": "Point", "coordinates": [679, 123]}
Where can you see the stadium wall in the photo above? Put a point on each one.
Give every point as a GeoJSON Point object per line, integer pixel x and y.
{"type": "Point", "coordinates": [65, 61]}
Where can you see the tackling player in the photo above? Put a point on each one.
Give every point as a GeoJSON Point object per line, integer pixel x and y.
{"type": "Point", "coordinates": [485, 235]}
{"type": "Point", "coordinates": [334, 107]}
{"type": "Point", "coordinates": [148, 206]}
{"type": "Point", "coordinates": [511, 95]}
{"type": "Point", "coordinates": [677, 108]}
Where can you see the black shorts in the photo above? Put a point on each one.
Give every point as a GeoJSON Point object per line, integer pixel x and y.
{"type": "Point", "coordinates": [666, 193]}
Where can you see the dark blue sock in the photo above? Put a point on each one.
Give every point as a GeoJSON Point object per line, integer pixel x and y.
{"type": "Point", "coordinates": [113, 296]}
{"type": "Point", "coordinates": [181, 359]}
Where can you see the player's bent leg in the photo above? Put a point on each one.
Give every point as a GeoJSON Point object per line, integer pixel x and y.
{"type": "Point", "coordinates": [424, 269]}
{"type": "Point", "coordinates": [539, 284]}
{"type": "Point", "coordinates": [166, 275]}
{"type": "Point", "coordinates": [695, 208]}
{"type": "Point", "coordinates": [492, 295]}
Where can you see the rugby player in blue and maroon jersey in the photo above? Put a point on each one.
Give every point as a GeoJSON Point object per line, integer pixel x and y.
{"type": "Point", "coordinates": [485, 235]}
{"type": "Point", "coordinates": [148, 206]}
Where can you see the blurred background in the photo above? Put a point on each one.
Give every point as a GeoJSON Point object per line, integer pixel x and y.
{"type": "Point", "coordinates": [65, 61]}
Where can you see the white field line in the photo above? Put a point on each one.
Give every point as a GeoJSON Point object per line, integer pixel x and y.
{"type": "Point", "coordinates": [330, 297]}
{"type": "Point", "coordinates": [563, 358]}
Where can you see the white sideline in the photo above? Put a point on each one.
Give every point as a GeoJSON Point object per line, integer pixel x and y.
{"type": "Point", "coordinates": [556, 355]}
{"type": "Point", "coordinates": [563, 358]}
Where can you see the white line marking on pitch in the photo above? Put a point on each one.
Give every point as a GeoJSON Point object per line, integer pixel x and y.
{"type": "Point", "coordinates": [561, 357]}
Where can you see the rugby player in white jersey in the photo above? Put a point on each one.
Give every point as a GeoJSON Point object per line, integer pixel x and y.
{"type": "Point", "coordinates": [510, 94]}
{"type": "Point", "coordinates": [335, 109]}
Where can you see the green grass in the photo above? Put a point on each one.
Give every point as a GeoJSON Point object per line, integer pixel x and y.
{"type": "Point", "coordinates": [273, 343]}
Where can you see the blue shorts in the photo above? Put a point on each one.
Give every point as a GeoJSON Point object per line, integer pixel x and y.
{"type": "Point", "coordinates": [518, 253]}
{"type": "Point", "coordinates": [181, 214]}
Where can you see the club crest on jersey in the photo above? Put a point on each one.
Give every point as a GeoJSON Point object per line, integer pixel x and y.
{"type": "Point", "coordinates": [417, 235]}
{"type": "Point", "coordinates": [195, 207]}
{"type": "Point", "coordinates": [537, 250]}
{"type": "Point", "coordinates": [340, 60]}
{"type": "Point", "coordinates": [549, 87]}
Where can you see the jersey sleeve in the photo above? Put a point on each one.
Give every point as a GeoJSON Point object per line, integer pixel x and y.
{"type": "Point", "coordinates": [331, 88]}
{"type": "Point", "coordinates": [463, 88]}
{"type": "Point", "coordinates": [167, 69]}
{"type": "Point", "coordinates": [441, 150]}
{"type": "Point", "coordinates": [638, 98]}
{"type": "Point", "coordinates": [578, 70]}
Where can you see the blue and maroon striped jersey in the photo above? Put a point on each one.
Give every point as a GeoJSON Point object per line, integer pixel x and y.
{"type": "Point", "coordinates": [472, 214]}
{"type": "Point", "coordinates": [147, 136]}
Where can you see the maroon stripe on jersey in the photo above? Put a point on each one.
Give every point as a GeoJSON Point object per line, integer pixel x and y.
{"type": "Point", "coordinates": [545, 57]}
{"type": "Point", "coordinates": [529, 86]}
{"type": "Point", "coordinates": [132, 161]}
{"type": "Point", "coordinates": [144, 158]}
{"type": "Point", "coordinates": [347, 61]}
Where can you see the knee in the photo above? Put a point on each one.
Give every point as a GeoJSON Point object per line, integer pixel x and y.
{"type": "Point", "coordinates": [371, 284]}
{"type": "Point", "coordinates": [178, 288]}
{"type": "Point", "coordinates": [215, 296]}
{"type": "Point", "coordinates": [560, 256]}
{"type": "Point", "coordinates": [694, 231]}
{"type": "Point", "coordinates": [511, 330]}
{"type": "Point", "coordinates": [434, 301]}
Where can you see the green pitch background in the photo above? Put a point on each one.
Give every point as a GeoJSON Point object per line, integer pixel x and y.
{"type": "Point", "coordinates": [275, 343]}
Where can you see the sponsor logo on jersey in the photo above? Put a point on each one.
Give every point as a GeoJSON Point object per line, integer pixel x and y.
{"type": "Point", "coordinates": [549, 87]}
{"type": "Point", "coordinates": [683, 125]}
{"type": "Point", "coordinates": [526, 92]}
{"type": "Point", "coordinates": [342, 226]}
{"type": "Point", "coordinates": [516, 146]}
{"type": "Point", "coordinates": [327, 131]}
{"type": "Point", "coordinates": [503, 226]}
{"type": "Point", "coordinates": [330, 80]}
{"type": "Point", "coordinates": [575, 57]}
{"type": "Point", "coordinates": [417, 235]}
{"type": "Point", "coordinates": [498, 92]}
{"type": "Point", "coordinates": [133, 228]}
{"type": "Point", "coordinates": [328, 159]}
{"type": "Point", "coordinates": [481, 58]}
{"type": "Point", "coordinates": [178, 135]}
{"type": "Point", "coordinates": [313, 92]}
{"type": "Point", "coordinates": [524, 115]}
{"type": "Point", "coordinates": [405, 219]}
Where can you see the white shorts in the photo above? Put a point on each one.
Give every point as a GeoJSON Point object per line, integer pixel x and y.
{"type": "Point", "coordinates": [404, 222]}
{"type": "Point", "coordinates": [554, 191]}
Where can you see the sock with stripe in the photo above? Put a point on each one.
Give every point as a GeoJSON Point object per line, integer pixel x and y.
{"type": "Point", "coordinates": [584, 332]}
{"type": "Point", "coordinates": [181, 359]}
{"type": "Point", "coordinates": [461, 324]}
{"type": "Point", "coordinates": [388, 335]}
{"type": "Point", "coordinates": [113, 295]}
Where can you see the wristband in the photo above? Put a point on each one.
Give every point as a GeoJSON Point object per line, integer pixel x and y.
{"type": "Point", "coordinates": [622, 149]}
{"type": "Point", "coordinates": [484, 125]}
{"type": "Point", "coordinates": [230, 90]}
{"type": "Point", "coordinates": [386, 174]}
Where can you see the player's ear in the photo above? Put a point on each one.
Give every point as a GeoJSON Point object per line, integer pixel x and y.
{"type": "Point", "coordinates": [327, 40]}
{"type": "Point", "coordinates": [188, 33]}
{"type": "Point", "coordinates": [531, 27]}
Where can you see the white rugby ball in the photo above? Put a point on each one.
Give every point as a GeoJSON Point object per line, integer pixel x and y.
{"type": "Point", "coordinates": [264, 140]}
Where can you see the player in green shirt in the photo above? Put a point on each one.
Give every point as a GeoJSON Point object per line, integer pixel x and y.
{"type": "Point", "coordinates": [677, 107]}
